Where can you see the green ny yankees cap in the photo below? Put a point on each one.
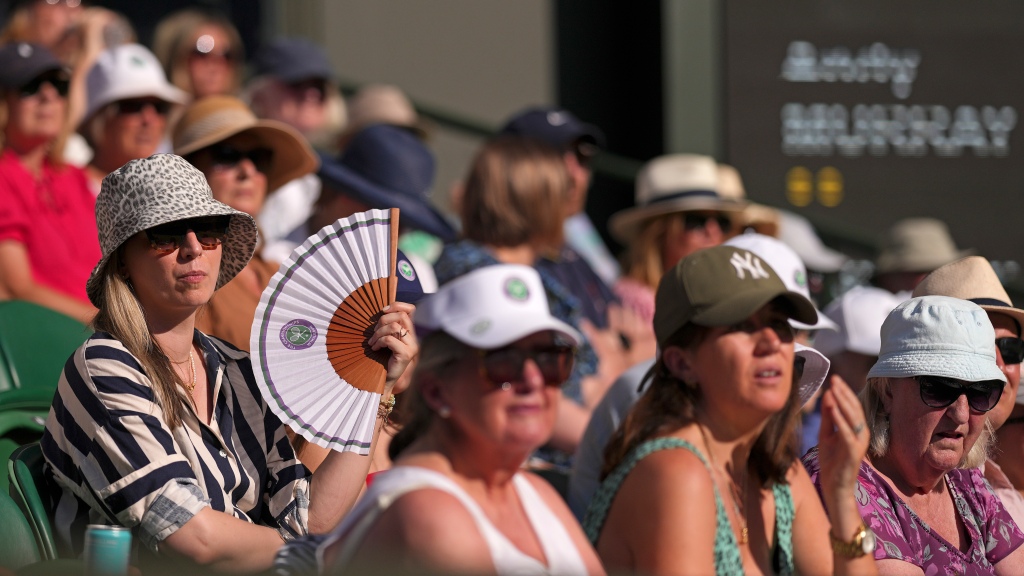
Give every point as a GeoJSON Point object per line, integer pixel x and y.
{"type": "Point", "coordinates": [721, 286]}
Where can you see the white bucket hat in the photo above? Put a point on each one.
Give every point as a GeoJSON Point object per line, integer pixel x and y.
{"type": "Point", "coordinates": [815, 370]}
{"type": "Point", "coordinates": [669, 184]}
{"type": "Point", "coordinates": [124, 72]}
{"type": "Point", "coordinates": [788, 266]}
{"type": "Point", "coordinates": [938, 336]}
{"type": "Point", "coordinates": [859, 314]}
{"type": "Point", "coordinates": [491, 307]}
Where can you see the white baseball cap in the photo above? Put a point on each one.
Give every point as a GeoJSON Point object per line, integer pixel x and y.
{"type": "Point", "coordinates": [788, 266]}
{"type": "Point", "coordinates": [128, 71]}
{"type": "Point", "coordinates": [491, 307]}
{"type": "Point", "coordinates": [938, 336]}
{"type": "Point", "coordinates": [816, 367]}
{"type": "Point", "coordinates": [859, 314]}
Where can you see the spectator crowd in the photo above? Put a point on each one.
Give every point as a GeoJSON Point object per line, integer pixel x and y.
{"type": "Point", "coordinates": [700, 405]}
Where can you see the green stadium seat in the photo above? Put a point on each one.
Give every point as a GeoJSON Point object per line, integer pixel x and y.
{"type": "Point", "coordinates": [25, 471]}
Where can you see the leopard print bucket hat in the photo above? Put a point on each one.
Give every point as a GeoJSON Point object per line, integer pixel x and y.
{"type": "Point", "coordinates": [164, 188]}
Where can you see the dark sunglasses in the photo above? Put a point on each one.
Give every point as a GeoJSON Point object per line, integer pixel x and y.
{"type": "Point", "coordinates": [227, 156]}
{"type": "Point", "coordinates": [137, 105]}
{"type": "Point", "coordinates": [939, 392]}
{"type": "Point", "coordinates": [58, 80]}
{"type": "Point", "coordinates": [209, 230]}
{"type": "Point", "coordinates": [506, 364]}
{"type": "Point", "coordinates": [317, 86]}
{"type": "Point", "coordinates": [697, 221]}
{"type": "Point", "coordinates": [226, 56]}
{"type": "Point", "coordinates": [1011, 349]}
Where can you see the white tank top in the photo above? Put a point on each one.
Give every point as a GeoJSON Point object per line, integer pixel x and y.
{"type": "Point", "coordinates": [561, 553]}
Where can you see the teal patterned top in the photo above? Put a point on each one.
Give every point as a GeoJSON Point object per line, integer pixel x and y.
{"type": "Point", "coordinates": [727, 551]}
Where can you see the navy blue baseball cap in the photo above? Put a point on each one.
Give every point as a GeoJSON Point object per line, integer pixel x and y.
{"type": "Point", "coordinates": [20, 62]}
{"type": "Point", "coordinates": [293, 60]}
{"type": "Point", "coordinates": [409, 288]}
{"type": "Point", "coordinates": [555, 126]}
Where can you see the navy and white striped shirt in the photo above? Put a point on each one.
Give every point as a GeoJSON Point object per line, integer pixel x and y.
{"type": "Point", "coordinates": [114, 460]}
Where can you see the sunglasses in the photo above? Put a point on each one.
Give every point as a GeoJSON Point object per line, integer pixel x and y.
{"type": "Point", "coordinates": [137, 105]}
{"type": "Point", "coordinates": [227, 56]}
{"type": "Point", "coordinates": [58, 80]}
{"type": "Point", "coordinates": [209, 230]}
{"type": "Point", "coordinates": [939, 392]}
{"type": "Point", "coordinates": [1011, 349]}
{"type": "Point", "coordinates": [696, 221]}
{"type": "Point", "coordinates": [506, 364]}
{"type": "Point", "coordinates": [313, 87]}
{"type": "Point", "coordinates": [227, 156]}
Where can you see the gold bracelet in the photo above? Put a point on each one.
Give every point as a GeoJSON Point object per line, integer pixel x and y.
{"type": "Point", "coordinates": [385, 408]}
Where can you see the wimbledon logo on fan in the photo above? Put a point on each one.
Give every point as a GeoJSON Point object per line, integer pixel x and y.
{"type": "Point", "coordinates": [298, 334]}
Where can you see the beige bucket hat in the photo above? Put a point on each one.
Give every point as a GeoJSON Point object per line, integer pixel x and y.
{"type": "Point", "coordinates": [217, 118]}
{"type": "Point", "coordinates": [669, 184]}
{"type": "Point", "coordinates": [917, 245]}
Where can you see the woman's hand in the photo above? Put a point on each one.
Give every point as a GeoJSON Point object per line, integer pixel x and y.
{"type": "Point", "coordinates": [395, 331]}
{"type": "Point", "coordinates": [842, 441]}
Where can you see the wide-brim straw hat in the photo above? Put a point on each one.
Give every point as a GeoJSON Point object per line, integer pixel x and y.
{"type": "Point", "coordinates": [917, 245]}
{"type": "Point", "coordinates": [670, 184]}
{"type": "Point", "coordinates": [152, 191]}
{"type": "Point", "coordinates": [217, 118]}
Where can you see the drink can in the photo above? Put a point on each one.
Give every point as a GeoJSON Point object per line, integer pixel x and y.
{"type": "Point", "coordinates": [107, 549]}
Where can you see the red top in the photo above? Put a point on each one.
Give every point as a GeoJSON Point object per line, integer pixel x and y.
{"type": "Point", "coordinates": [54, 218]}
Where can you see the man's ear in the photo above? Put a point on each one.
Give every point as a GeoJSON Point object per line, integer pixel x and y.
{"type": "Point", "coordinates": [679, 363]}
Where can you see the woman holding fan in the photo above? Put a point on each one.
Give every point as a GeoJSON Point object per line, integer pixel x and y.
{"type": "Point", "coordinates": [160, 428]}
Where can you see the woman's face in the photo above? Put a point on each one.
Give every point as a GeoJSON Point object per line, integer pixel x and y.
{"type": "Point", "coordinates": [920, 436]}
{"type": "Point", "coordinates": [520, 418]}
{"type": "Point", "coordinates": [1005, 328]}
{"type": "Point", "coordinates": [168, 285]}
{"type": "Point", "coordinates": [133, 129]}
{"type": "Point", "coordinates": [36, 113]}
{"type": "Point", "coordinates": [233, 169]}
{"type": "Point", "coordinates": [744, 368]}
{"type": "Point", "coordinates": [692, 231]}
{"type": "Point", "coordinates": [211, 62]}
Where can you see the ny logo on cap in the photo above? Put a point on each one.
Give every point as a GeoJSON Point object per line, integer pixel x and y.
{"type": "Point", "coordinates": [748, 264]}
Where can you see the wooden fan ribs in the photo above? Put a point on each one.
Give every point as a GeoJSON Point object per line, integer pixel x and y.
{"type": "Point", "coordinates": [349, 331]}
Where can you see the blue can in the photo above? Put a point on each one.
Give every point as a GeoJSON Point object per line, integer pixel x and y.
{"type": "Point", "coordinates": [107, 549]}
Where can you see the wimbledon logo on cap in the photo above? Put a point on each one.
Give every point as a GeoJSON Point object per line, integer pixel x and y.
{"type": "Point", "coordinates": [298, 334]}
{"type": "Point", "coordinates": [406, 270]}
{"type": "Point", "coordinates": [748, 263]}
{"type": "Point", "coordinates": [516, 289]}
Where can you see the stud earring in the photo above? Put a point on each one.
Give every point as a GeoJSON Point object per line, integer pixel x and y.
{"type": "Point", "coordinates": [444, 412]}
{"type": "Point", "coordinates": [506, 386]}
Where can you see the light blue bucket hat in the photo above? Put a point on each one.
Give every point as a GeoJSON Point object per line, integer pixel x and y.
{"type": "Point", "coordinates": [938, 336]}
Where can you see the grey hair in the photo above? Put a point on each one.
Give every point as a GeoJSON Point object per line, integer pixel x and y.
{"type": "Point", "coordinates": [877, 420]}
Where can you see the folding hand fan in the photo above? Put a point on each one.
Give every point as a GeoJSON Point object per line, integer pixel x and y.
{"type": "Point", "coordinates": [309, 336]}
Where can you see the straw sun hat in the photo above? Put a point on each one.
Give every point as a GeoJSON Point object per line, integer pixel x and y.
{"type": "Point", "coordinates": [217, 118]}
{"type": "Point", "coordinates": [670, 184]}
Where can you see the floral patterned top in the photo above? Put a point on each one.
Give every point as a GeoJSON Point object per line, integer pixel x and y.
{"type": "Point", "coordinates": [902, 535]}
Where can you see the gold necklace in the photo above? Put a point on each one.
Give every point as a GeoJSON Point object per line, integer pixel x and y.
{"type": "Point", "coordinates": [192, 365]}
{"type": "Point", "coordinates": [744, 534]}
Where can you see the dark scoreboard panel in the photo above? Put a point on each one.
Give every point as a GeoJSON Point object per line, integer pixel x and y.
{"type": "Point", "coordinates": [862, 112]}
